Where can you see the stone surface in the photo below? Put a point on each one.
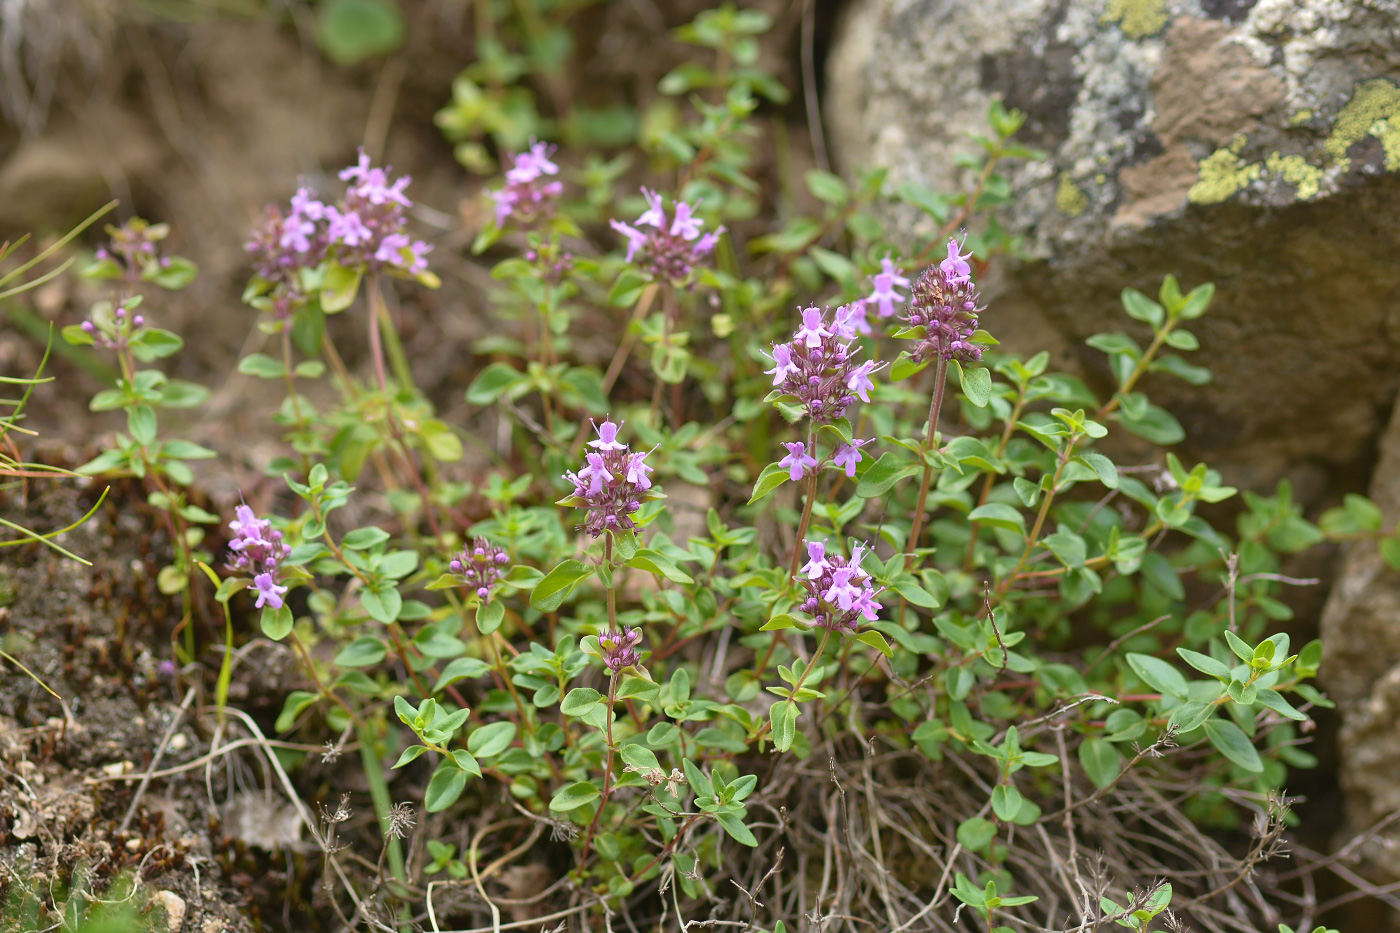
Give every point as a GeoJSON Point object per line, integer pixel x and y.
{"type": "Point", "coordinates": [1361, 645]}
{"type": "Point", "coordinates": [1246, 143]}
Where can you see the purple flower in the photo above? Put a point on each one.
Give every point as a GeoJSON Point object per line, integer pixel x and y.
{"type": "Point", "coordinates": [839, 592]}
{"type": "Point", "coordinates": [348, 229]}
{"type": "Point", "coordinates": [685, 226]}
{"type": "Point", "coordinates": [269, 593]}
{"type": "Point", "coordinates": [782, 364]}
{"type": "Point", "coordinates": [859, 380]}
{"type": "Point", "coordinates": [885, 295]}
{"type": "Point", "coordinates": [798, 460]}
{"type": "Point", "coordinates": [619, 649]}
{"type": "Point", "coordinates": [813, 328]}
{"type": "Point", "coordinates": [816, 559]}
{"type": "Point", "coordinates": [607, 436]}
{"type": "Point", "coordinates": [955, 268]}
{"type": "Point", "coordinates": [612, 485]}
{"type": "Point", "coordinates": [945, 305]}
{"type": "Point", "coordinates": [850, 321]}
{"type": "Point", "coordinates": [480, 566]}
{"type": "Point", "coordinates": [848, 456]}
{"type": "Point", "coordinates": [667, 250]}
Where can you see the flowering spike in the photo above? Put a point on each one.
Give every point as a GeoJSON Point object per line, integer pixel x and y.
{"type": "Point", "coordinates": [619, 649]}
{"type": "Point", "coordinates": [480, 566]}
{"type": "Point", "coordinates": [258, 550]}
{"type": "Point", "coordinates": [612, 484]}
{"type": "Point", "coordinates": [839, 593]}
{"type": "Point", "coordinates": [945, 304]}
{"type": "Point", "coordinates": [667, 250]}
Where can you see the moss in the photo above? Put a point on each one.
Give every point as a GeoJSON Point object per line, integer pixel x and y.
{"type": "Point", "coordinates": [1070, 198]}
{"type": "Point", "coordinates": [1221, 174]}
{"type": "Point", "coordinates": [1375, 101]}
{"type": "Point", "coordinates": [1137, 18]}
{"type": "Point", "coordinates": [1305, 177]}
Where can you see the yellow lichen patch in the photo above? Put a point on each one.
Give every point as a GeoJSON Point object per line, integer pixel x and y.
{"type": "Point", "coordinates": [1302, 116]}
{"type": "Point", "coordinates": [1388, 132]}
{"type": "Point", "coordinates": [1374, 101]}
{"type": "Point", "coordinates": [1137, 18]}
{"type": "Point", "coordinates": [1294, 169]}
{"type": "Point", "coordinates": [1070, 198]}
{"type": "Point", "coordinates": [1221, 174]}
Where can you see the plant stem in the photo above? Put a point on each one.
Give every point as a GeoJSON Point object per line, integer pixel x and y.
{"type": "Point", "coordinates": [811, 499]}
{"type": "Point", "coordinates": [607, 771]}
{"type": "Point", "coordinates": [940, 380]}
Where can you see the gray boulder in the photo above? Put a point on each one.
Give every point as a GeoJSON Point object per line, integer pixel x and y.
{"type": "Point", "coordinates": [1250, 144]}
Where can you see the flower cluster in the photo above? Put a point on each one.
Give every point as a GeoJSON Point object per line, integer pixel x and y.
{"type": "Point", "coordinates": [480, 566]}
{"type": "Point", "coordinates": [134, 248]}
{"type": "Point", "coordinates": [258, 550]}
{"type": "Point", "coordinates": [818, 366]}
{"type": "Point", "coordinates": [840, 594]}
{"type": "Point", "coordinates": [620, 648]}
{"type": "Point", "coordinates": [668, 248]}
{"type": "Point", "coordinates": [366, 229]}
{"type": "Point", "coordinates": [529, 194]}
{"type": "Point", "coordinates": [116, 333]}
{"type": "Point", "coordinates": [945, 305]}
{"type": "Point", "coordinates": [612, 485]}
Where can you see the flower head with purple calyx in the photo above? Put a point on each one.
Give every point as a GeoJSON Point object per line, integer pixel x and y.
{"type": "Point", "coordinates": [797, 461]}
{"type": "Point", "coordinates": [886, 280]}
{"type": "Point", "coordinates": [839, 593]}
{"type": "Point", "coordinates": [619, 649]}
{"type": "Point", "coordinates": [667, 249]}
{"type": "Point", "coordinates": [818, 367]}
{"type": "Point", "coordinates": [115, 332]}
{"type": "Point", "coordinates": [612, 485]}
{"type": "Point", "coordinates": [945, 304]}
{"type": "Point", "coordinates": [258, 551]}
{"type": "Point", "coordinates": [531, 191]}
{"type": "Point", "coordinates": [479, 567]}
{"type": "Point", "coordinates": [848, 456]}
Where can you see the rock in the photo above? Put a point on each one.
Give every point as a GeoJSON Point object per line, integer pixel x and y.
{"type": "Point", "coordinates": [1361, 651]}
{"type": "Point", "coordinates": [174, 906]}
{"type": "Point", "coordinates": [1253, 144]}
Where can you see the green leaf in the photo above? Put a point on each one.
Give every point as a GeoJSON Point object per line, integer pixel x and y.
{"type": "Point", "coordinates": [1006, 802]}
{"type": "Point", "coordinates": [1197, 302]}
{"type": "Point", "coordinates": [827, 187]}
{"type": "Point", "coordinates": [1230, 740]}
{"type": "Point", "coordinates": [362, 652]}
{"type": "Point", "coordinates": [1102, 467]}
{"type": "Point", "coordinates": [362, 539]}
{"type": "Point", "coordinates": [770, 479]}
{"type": "Point", "coordinates": [877, 641]}
{"type": "Point", "coordinates": [276, 623]}
{"type": "Point", "coordinates": [262, 366]}
{"type": "Point", "coordinates": [734, 826]}
{"type": "Point", "coordinates": [1159, 674]}
{"type": "Point", "coordinates": [411, 753]}
{"type": "Point", "coordinates": [659, 564]}
{"type": "Point", "coordinates": [141, 422]}
{"type": "Point", "coordinates": [976, 834]}
{"type": "Point", "coordinates": [549, 594]}
{"type": "Point", "coordinates": [461, 669]}
{"type": "Point", "coordinates": [493, 382]}
{"type": "Point", "coordinates": [580, 702]}
{"type": "Point", "coordinates": [783, 717]}
{"type": "Point", "coordinates": [1142, 308]}
{"type": "Point", "coordinates": [1205, 663]}
{"type": "Point", "coordinates": [572, 796]}
{"type": "Point", "coordinates": [1156, 425]}
{"type": "Point", "coordinates": [1100, 761]}
{"type": "Point", "coordinates": [882, 475]}
{"type": "Point", "coordinates": [698, 782]}
{"type": "Point", "coordinates": [999, 515]}
{"type": "Point", "coordinates": [350, 31]}
{"type": "Point", "coordinates": [445, 786]}
{"type": "Point", "coordinates": [339, 287]}
{"type": "Point", "coordinates": [490, 740]}
{"type": "Point", "coordinates": [1272, 699]}
{"type": "Point", "coordinates": [489, 616]}
{"type": "Point", "coordinates": [297, 701]}
{"type": "Point", "coordinates": [977, 386]}
{"type": "Point", "coordinates": [152, 343]}
{"type": "Point", "coordinates": [382, 606]}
